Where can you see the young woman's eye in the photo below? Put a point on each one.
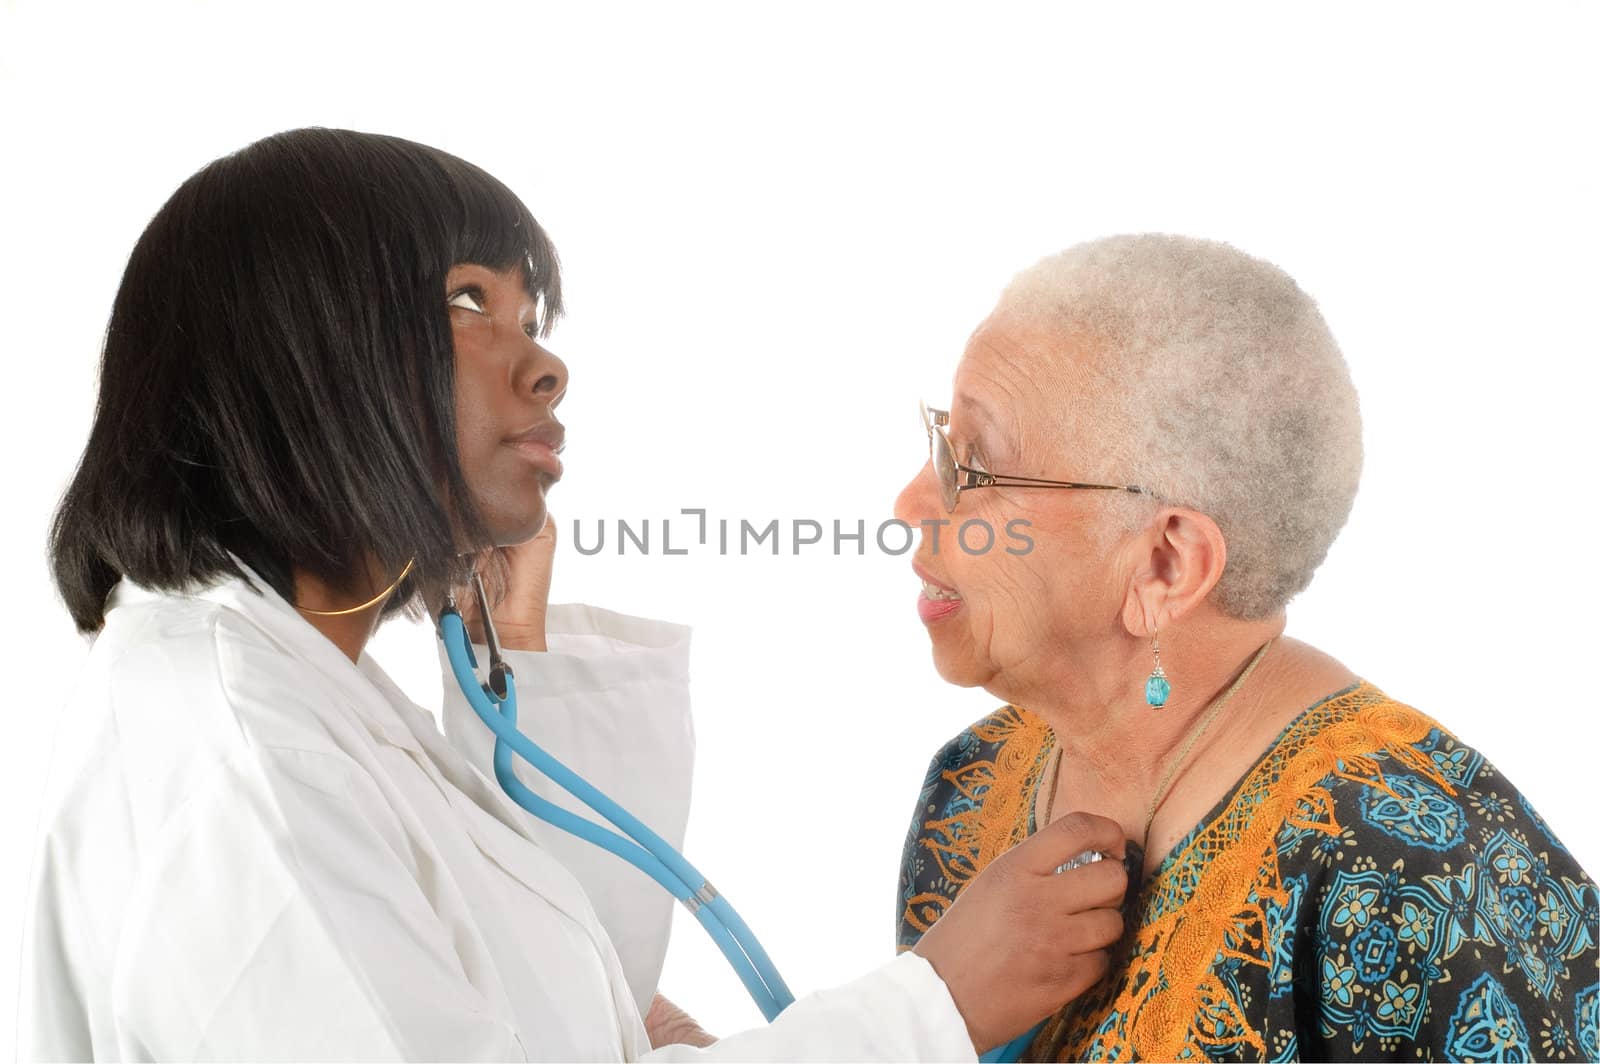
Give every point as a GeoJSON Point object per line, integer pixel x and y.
{"type": "Point", "coordinates": [468, 299]}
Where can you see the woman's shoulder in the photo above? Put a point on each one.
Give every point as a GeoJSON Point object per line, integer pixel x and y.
{"type": "Point", "coordinates": [180, 636]}
{"type": "Point", "coordinates": [1414, 862]}
{"type": "Point", "coordinates": [1392, 771]}
{"type": "Point", "coordinates": [156, 731]}
{"type": "Point", "coordinates": [179, 679]}
{"type": "Point", "coordinates": [155, 667]}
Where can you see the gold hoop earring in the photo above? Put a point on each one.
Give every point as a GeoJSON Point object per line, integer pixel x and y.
{"type": "Point", "coordinates": [379, 597]}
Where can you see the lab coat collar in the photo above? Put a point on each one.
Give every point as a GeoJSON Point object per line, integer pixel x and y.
{"type": "Point", "coordinates": [378, 703]}
{"type": "Point", "coordinates": [254, 599]}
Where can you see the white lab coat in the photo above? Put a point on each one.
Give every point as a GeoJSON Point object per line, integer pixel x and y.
{"type": "Point", "coordinates": [251, 847]}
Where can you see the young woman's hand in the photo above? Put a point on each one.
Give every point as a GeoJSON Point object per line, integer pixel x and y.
{"type": "Point", "coordinates": [522, 584]}
{"type": "Point", "coordinates": [1021, 941]}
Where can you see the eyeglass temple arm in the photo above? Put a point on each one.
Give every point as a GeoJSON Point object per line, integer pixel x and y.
{"type": "Point", "coordinates": [994, 480]}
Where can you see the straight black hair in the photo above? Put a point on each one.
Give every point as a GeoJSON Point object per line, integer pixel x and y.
{"type": "Point", "coordinates": [278, 378]}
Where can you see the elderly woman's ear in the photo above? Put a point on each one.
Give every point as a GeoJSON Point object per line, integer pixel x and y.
{"type": "Point", "coordinates": [1173, 563]}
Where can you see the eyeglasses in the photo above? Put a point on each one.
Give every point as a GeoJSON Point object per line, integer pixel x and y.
{"type": "Point", "coordinates": [954, 478]}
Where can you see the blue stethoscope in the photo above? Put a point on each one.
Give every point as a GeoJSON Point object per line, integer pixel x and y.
{"type": "Point", "coordinates": [496, 704]}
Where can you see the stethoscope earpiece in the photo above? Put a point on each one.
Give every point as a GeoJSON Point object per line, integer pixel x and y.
{"type": "Point", "coordinates": [499, 671]}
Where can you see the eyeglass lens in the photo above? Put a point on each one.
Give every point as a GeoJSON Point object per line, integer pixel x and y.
{"type": "Point", "coordinates": [944, 467]}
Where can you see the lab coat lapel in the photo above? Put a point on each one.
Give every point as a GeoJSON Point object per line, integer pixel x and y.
{"type": "Point", "coordinates": [391, 718]}
{"type": "Point", "coordinates": [500, 830]}
{"type": "Point", "coordinates": [538, 872]}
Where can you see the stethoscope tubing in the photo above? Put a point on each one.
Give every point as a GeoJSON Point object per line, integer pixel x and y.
{"type": "Point", "coordinates": [644, 849]}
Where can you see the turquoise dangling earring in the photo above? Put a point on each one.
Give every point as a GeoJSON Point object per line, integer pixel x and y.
{"type": "Point", "coordinates": [1157, 687]}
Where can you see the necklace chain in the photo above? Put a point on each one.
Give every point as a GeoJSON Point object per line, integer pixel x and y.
{"type": "Point", "coordinates": [1194, 736]}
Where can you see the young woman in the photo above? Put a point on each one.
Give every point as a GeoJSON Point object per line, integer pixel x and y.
{"type": "Point", "coordinates": [323, 394]}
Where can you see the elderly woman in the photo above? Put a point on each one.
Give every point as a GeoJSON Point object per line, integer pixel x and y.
{"type": "Point", "coordinates": [1316, 870]}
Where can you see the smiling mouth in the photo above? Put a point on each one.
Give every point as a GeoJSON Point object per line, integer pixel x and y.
{"type": "Point", "coordinates": [937, 602]}
{"type": "Point", "coordinates": [932, 589]}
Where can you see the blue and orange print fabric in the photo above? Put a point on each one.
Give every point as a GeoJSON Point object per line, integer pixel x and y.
{"type": "Point", "coordinates": [1371, 889]}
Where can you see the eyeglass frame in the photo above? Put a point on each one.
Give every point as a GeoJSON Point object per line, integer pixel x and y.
{"type": "Point", "coordinates": [935, 421]}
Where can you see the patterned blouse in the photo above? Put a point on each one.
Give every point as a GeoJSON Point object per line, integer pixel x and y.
{"type": "Point", "coordinates": [1371, 889]}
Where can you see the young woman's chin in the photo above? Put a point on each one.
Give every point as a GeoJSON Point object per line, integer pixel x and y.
{"type": "Point", "coordinates": [514, 512]}
{"type": "Point", "coordinates": [520, 524]}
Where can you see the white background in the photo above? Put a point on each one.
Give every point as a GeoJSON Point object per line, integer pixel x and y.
{"type": "Point", "coordinates": [778, 226]}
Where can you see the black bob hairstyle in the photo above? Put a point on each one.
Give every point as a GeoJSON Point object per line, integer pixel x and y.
{"type": "Point", "coordinates": [278, 378]}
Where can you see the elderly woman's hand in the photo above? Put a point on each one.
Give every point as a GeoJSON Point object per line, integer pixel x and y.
{"type": "Point", "coordinates": [1022, 940]}
{"type": "Point", "coordinates": [668, 1025]}
{"type": "Point", "coordinates": [521, 581]}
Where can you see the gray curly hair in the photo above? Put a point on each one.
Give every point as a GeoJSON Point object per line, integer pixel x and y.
{"type": "Point", "coordinates": [1228, 395]}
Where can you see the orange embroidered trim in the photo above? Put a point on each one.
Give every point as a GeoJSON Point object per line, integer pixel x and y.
{"type": "Point", "coordinates": [963, 845]}
{"type": "Point", "coordinates": [1198, 908]}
